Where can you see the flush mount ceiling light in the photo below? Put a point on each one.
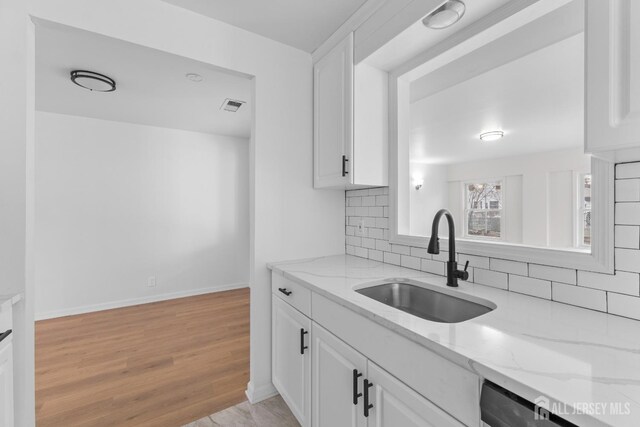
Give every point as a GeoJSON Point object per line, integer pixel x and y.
{"type": "Point", "coordinates": [494, 135]}
{"type": "Point", "coordinates": [93, 81]}
{"type": "Point", "coordinates": [445, 16]}
{"type": "Point", "coordinates": [194, 77]}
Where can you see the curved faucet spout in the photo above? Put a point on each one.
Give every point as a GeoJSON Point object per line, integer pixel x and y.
{"type": "Point", "coordinates": [453, 274]}
{"type": "Point", "coordinates": [434, 242]}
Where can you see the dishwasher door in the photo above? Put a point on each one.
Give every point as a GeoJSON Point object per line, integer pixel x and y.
{"type": "Point", "coordinates": [501, 408]}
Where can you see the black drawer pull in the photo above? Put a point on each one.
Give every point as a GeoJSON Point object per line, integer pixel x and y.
{"type": "Point", "coordinates": [367, 405]}
{"type": "Point", "coordinates": [285, 291]}
{"type": "Point", "coordinates": [344, 166]}
{"type": "Point", "coordinates": [302, 346]}
{"type": "Point", "coordinates": [356, 395]}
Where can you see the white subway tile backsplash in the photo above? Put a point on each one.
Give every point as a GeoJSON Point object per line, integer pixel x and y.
{"type": "Point", "coordinates": [382, 200]}
{"type": "Point", "coordinates": [624, 305]}
{"type": "Point", "coordinates": [490, 278]}
{"type": "Point", "coordinates": [410, 262]}
{"type": "Point", "coordinates": [376, 255]}
{"type": "Point", "coordinates": [368, 243]}
{"type": "Point", "coordinates": [555, 274]}
{"type": "Point", "coordinates": [391, 258]}
{"type": "Point", "coordinates": [434, 267]}
{"type": "Point", "coordinates": [362, 211]}
{"type": "Point", "coordinates": [376, 233]}
{"type": "Point", "coordinates": [354, 201]}
{"type": "Point", "coordinates": [420, 252]}
{"type": "Point", "coordinates": [383, 245]}
{"type": "Point", "coordinates": [401, 249]}
{"type": "Point", "coordinates": [577, 295]}
{"type": "Point", "coordinates": [627, 260]}
{"type": "Point", "coordinates": [627, 236]}
{"type": "Point", "coordinates": [627, 213]}
{"type": "Point", "coordinates": [628, 190]}
{"type": "Point", "coordinates": [474, 261]}
{"type": "Point", "coordinates": [628, 170]}
{"type": "Point", "coordinates": [354, 240]}
{"type": "Point", "coordinates": [361, 252]}
{"type": "Point", "coordinates": [376, 211]}
{"type": "Point", "coordinates": [530, 286]}
{"type": "Point", "coordinates": [382, 222]}
{"type": "Point", "coordinates": [506, 266]}
{"type": "Point", "coordinates": [378, 191]}
{"type": "Point", "coordinates": [618, 294]}
{"type": "Point", "coordinates": [622, 282]}
{"type": "Point", "coordinates": [369, 201]}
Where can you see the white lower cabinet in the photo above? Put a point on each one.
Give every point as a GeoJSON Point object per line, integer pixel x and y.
{"type": "Point", "coordinates": [291, 358]}
{"type": "Point", "coordinates": [395, 404]}
{"type": "Point", "coordinates": [337, 379]}
{"type": "Point", "coordinates": [329, 383]}
{"type": "Point", "coordinates": [6, 384]}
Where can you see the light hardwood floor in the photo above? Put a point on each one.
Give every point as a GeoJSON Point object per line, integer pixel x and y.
{"type": "Point", "coordinates": [161, 364]}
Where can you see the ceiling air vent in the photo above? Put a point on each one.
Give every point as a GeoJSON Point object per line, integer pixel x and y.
{"type": "Point", "coordinates": [232, 105]}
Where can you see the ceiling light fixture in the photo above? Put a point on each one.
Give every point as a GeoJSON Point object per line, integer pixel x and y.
{"type": "Point", "coordinates": [445, 16]}
{"type": "Point", "coordinates": [196, 78]}
{"type": "Point", "coordinates": [494, 135]}
{"type": "Point", "coordinates": [93, 81]}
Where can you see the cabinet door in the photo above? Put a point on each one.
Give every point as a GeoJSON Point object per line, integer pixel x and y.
{"type": "Point", "coordinates": [291, 358]}
{"type": "Point", "coordinates": [395, 404]}
{"type": "Point", "coordinates": [612, 75]}
{"type": "Point", "coordinates": [333, 116]}
{"type": "Point", "coordinates": [333, 381]}
{"type": "Point", "coordinates": [6, 385]}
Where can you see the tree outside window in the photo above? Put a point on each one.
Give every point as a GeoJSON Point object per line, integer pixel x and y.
{"type": "Point", "coordinates": [484, 209]}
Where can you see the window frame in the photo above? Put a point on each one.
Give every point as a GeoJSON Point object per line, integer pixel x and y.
{"type": "Point", "coordinates": [598, 258]}
{"type": "Point", "coordinates": [465, 209]}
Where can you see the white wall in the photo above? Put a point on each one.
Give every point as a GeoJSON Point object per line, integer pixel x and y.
{"type": "Point", "coordinates": [540, 194]}
{"type": "Point", "coordinates": [16, 192]}
{"type": "Point", "coordinates": [288, 218]}
{"type": "Point", "coordinates": [117, 203]}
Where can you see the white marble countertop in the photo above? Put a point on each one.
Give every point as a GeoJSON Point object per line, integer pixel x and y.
{"type": "Point", "coordinates": [577, 358]}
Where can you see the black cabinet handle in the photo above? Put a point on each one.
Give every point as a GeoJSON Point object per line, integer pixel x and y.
{"type": "Point", "coordinates": [5, 334]}
{"type": "Point", "coordinates": [356, 395]}
{"type": "Point", "coordinates": [302, 346]}
{"type": "Point", "coordinates": [367, 405]}
{"type": "Point", "coordinates": [285, 291]}
{"type": "Point", "coordinates": [344, 166]}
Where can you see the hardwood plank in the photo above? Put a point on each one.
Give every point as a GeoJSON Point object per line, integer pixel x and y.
{"type": "Point", "coordinates": [167, 363]}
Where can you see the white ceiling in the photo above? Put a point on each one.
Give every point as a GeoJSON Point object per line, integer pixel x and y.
{"type": "Point", "coordinates": [418, 38]}
{"type": "Point", "coordinates": [151, 85]}
{"type": "Point", "coordinates": [537, 100]}
{"type": "Point", "coordinates": [304, 24]}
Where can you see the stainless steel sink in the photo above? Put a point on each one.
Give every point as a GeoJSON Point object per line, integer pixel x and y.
{"type": "Point", "coordinates": [427, 303]}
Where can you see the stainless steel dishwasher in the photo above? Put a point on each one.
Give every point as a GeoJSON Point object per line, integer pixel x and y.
{"type": "Point", "coordinates": [501, 408]}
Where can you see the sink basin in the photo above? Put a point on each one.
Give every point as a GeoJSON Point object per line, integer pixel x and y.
{"type": "Point", "coordinates": [427, 303]}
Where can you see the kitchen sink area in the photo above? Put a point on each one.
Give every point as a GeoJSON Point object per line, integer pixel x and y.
{"type": "Point", "coordinates": [426, 303]}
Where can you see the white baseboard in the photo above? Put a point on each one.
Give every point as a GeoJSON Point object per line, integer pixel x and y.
{"type": "Point", "coordinates": [260, 393]}
{"type": "Point", "coordinates": [136, 301]}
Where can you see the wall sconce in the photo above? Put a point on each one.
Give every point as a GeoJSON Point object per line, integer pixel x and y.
{"type": "Point", "coordinates": [417, 182]}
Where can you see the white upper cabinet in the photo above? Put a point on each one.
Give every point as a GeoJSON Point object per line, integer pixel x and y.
{"type": "Point", "coordinates": [613, 75]}
{"type": "Point", "coordinates": [350, 121]}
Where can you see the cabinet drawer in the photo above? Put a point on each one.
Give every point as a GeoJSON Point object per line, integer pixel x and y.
{"type": "Point", "coordinates": [291, 292]}
{"type": "Point", "coordinates": [451, 387]}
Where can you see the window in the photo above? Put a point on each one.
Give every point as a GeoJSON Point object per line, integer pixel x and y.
{"type": "Point", "coordinates": [483, 209]}
{"type": "Point", "coordinates": [584, 210]}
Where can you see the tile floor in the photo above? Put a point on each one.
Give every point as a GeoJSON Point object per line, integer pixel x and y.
{"type": "Point", "coordinates": [272, 412]}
